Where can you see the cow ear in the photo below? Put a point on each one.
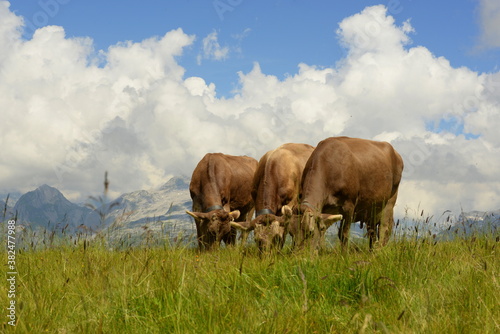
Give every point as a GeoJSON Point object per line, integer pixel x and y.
{"type": "Point", "coordinates": [330, 219]}
{"type": "Point", "coordinates": [235, 214]}
{"type": "Point", "coordinates": [197, 215]}
{"type": "Point", "coordinates": [286, 211]}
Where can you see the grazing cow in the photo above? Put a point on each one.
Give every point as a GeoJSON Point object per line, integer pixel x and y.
{"type": "Point", "coordinates": [221, 188]}
{"type": "Point", "coordinates": [356, 178]}
{"type": "Point", "coordinates": [276, 183]}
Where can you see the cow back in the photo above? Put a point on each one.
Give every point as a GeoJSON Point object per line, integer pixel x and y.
{"type": "Point", "coordinates": [219, 179]}
{"type": "Point", "coordinates": [341, 168]}
{"type": "Point", "coordinates": [278, 176]}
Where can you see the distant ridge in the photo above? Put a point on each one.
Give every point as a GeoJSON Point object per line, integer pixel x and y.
{"type": "Point", "coordinates": [47, 207]}
{"type": "Point", "coordinates": [162, 208]}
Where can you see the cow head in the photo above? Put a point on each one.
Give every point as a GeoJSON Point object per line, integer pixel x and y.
{"type": "Point", "coordinates": [215, 223]}
{"type": "Point", "coordinates": [312, 227]}
{"type": "Point", "coordinates": [269, 231]}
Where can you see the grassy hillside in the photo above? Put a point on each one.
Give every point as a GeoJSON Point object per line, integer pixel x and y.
{"type": "Point", "coordinates": [411, 286]}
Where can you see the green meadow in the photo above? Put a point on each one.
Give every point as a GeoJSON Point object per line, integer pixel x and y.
{"type": "Point", "coordinates": [414, 285]}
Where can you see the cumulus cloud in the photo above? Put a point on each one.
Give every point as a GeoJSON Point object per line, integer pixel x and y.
{"type": "Point", "coordinates": [489, 16]}
{"type": "Point", "coordinates": [212, 49]}
{"type": "Point", "coordinates": [69, 113]}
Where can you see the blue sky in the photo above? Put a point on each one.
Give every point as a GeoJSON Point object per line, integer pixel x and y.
{"type": "Point", "coordinates": [143, 89]}
{"type": "Point", "coordinates": [277, 34]}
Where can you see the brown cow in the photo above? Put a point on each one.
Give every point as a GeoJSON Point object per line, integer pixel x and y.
{"type": "Point", "coordinates": [221, 192]}
{"type": "Point", "coordinates": [276, 183]}
{"type": "Point", "coordinates": [356, 178]}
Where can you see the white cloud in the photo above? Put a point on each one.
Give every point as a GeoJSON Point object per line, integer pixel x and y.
{"type": "Point", "coordinates": [239, 40]}
{"type": "Point", "coordinates": [10, 29]}
{"type": "Point", "coordinates": [66, 120]}
{"type": "Point", "coordinates": [489, 16]}
{"type": "Point", "coordinates": [373, 30]}
{"type": "Point", "coordinates": [212, 49]}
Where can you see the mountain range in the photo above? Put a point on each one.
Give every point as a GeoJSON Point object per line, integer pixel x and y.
{"type": "Point", "coordinates": [159, 210]}
{"type": "Point", "coordinates": [162, 209]}
{"type": "Point", "coordinates": [131, 213]}
{"type": "Point", "coordinates": [476, 222]}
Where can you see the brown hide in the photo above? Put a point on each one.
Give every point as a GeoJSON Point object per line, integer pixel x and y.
{"type": "Point", "coordinates": [276, 183]}
{"type": "Point", "coordinates": [356, 178]}
{"type": "Point", "coordinates": [222, 184]}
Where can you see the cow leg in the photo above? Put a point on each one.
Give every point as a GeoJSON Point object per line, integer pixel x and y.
{"type": "Point", "coordinates": [206, 242]}
{"type": "Point", "coordinates": [344, 230]}
{"type": "Point", "coordinates": [386, 221]}
{"type": "Point", "coordinates": [372, 223]}
{"type": "Point", "coordinates": [200, 228]}
{"type": "Point", "coordinates": [230, 238]}
{"type": "Point", "coordinates": [293, 235]}
{"type": "Point", "coordinates": [211, 244]}
{"type": "Point", "coordinates": [371, 227]}
{"type": "Point", "coordinates": [345, 225]}
{"type": "Point", "coordinates": [233, 235]}
{"type": "Point", "coordinates": [199, 236]}
{"type": "Point", "coordinates": [205, 239]}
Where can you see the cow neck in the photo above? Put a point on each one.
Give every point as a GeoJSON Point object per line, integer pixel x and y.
{"type": "Point", "coordinates": [312, 192]}
{"type": "Point", "coordinates": [264, 212]}
{"type": "Point", "coordinates": [214, 207]}
{"type": "Point", "coordinates": [211, 188]}
{"type": "Point", "coordinates": [266, 199]}
{"type": "Point", "coordinates": [309, 205]}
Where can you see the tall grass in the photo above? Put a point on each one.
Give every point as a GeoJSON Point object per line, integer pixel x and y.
{"type": "Point", "coordinates": [414, 285]}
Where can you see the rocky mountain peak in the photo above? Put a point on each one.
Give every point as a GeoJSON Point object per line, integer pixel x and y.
{"type": "Point", "coordinates": [176, 183]}
{"type": "Point", "coordinates": [47, 205]}
{"type": "Point", "coordinates": [49, 194]}
{"type": "Point", "coordinates": [44, 195]}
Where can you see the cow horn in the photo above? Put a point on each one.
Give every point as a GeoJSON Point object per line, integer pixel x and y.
{"type": "Point", "coordinates": [239, 226]}
{"type": "Point", "coordinates": [330, 219]}
{"type": "Point", "coordinates": [192, 214]}
{"type": "Point", "coordinates": [335, 218]}
{"type": "Point", "coordinates": [198, 215]}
